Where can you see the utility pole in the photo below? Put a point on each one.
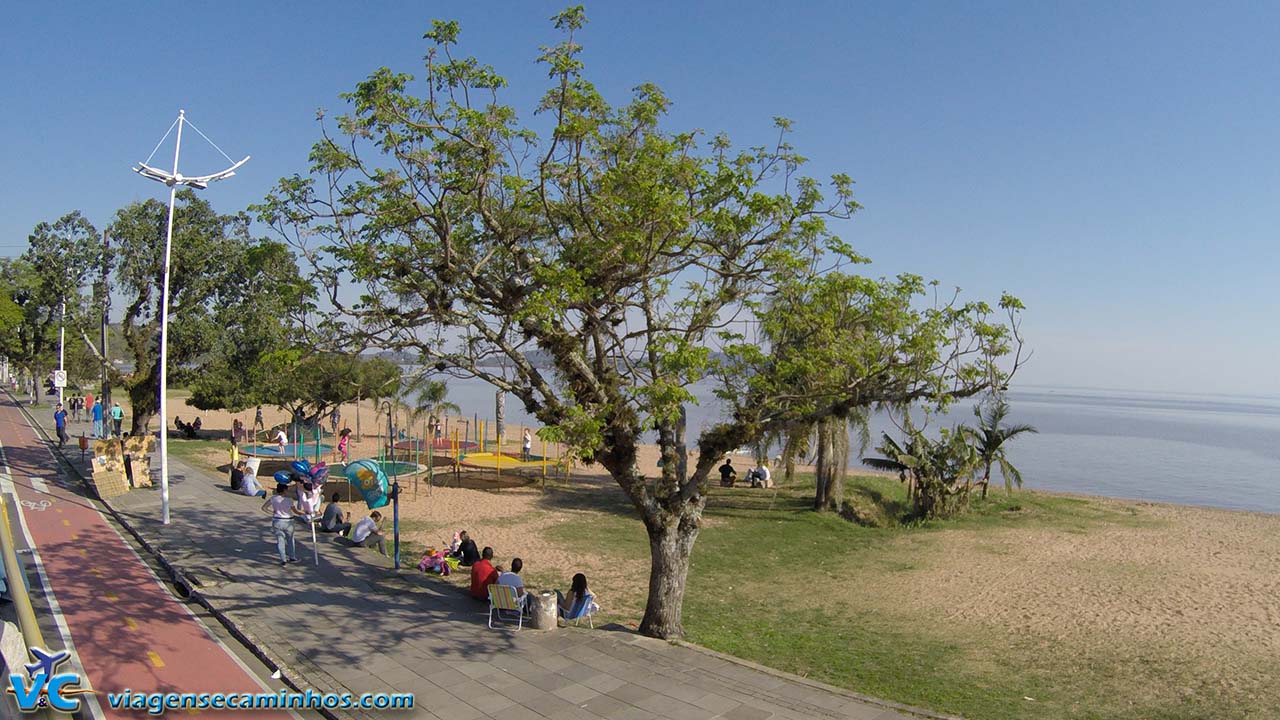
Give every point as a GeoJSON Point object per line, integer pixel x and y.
{"type": "Point", "coordinates": [106, 310]}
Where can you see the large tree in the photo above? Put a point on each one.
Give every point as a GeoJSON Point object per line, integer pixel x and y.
{"type": "Point", "coordinates": [205, 258]}
{"type": "Point", "coordinates": [437, 223]}
{"type": "Point", "coordinates": [49, 284]}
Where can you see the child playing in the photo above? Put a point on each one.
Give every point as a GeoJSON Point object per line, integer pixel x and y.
{"type": "Point", "coordinates": [344, 443]}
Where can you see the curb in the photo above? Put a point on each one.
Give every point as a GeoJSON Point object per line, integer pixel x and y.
{"type": "Point", "coordinates": [290, 677]}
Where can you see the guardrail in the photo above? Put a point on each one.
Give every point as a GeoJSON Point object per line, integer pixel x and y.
{"type": "Point", "coordinates": [16, 579]}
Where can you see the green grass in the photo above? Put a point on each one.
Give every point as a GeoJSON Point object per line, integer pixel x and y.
{"type": "Point", "coordinates": [762, 563]}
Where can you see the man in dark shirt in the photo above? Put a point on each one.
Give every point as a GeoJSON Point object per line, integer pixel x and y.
{"type": "Point", "coordinates": [727, 474]}
{"type": "Point", "coordinates": [333, 520]}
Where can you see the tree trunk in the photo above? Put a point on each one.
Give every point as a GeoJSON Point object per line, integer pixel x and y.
{"type": "Point", "coordinates": [986, 480]}
{"type": "Point", "coordinates": [670, 544]}
{"type": "Point", "coordinates": [141, 411]}
{"type": "Point", "coordinates": [833, 456]}
{"type": "Point", "coordinates": [144, 400]}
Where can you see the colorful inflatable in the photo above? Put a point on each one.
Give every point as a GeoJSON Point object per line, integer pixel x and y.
{"type": "Point", "coordinates": [303, 471]}
{"type": "Point", "coordinates": [367, 477]}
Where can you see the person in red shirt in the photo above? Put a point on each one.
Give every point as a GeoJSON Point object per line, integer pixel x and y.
{"type": "Point", "coordinates": [483, 575]}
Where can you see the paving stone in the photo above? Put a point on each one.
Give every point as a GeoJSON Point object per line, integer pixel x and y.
{"type": "Point", "coordinates": [604, 706]}
{"type": "Point", "coordinates": [575, 693]}
{"type": "Point", "coordinates": [604, 683]}
{"type": "Point", "coordinates": [716, 703]}
{"type": "Point", "coordinates": [742, 712]}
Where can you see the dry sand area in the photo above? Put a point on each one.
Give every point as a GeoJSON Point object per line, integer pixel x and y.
{"type": "Point", "coordinates": [1177, 601]}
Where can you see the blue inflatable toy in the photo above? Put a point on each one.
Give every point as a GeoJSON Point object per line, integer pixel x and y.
{"type": "Point", "coordinates": [368, 478]}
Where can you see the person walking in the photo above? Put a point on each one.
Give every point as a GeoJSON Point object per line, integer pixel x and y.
{"type": "Point", "coordinates": [527, 449]}
{"type": "Point", "coordinates": [117, 418]}
{"type": "Point", "coordinates": [98, 432]}
{"type": "Point", "coordinates": [257, 423]}
{"type": "Point", "coordinates": [60, 424]}
{"type": "Point", "coordinates": [282, 512]}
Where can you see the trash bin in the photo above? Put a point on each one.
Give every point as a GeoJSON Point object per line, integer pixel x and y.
{"type": "Point", "coordinates": [543, 608]}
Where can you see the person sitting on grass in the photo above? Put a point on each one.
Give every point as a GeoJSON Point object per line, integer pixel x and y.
{"type": "Point", "coordinates": [514, 580]}
{"type": "Point", "coordinates": [467, 552]}
{"type": "Point", "coordinates": [249, 485]}
{"type": "Point", "coordinates": [237, 474]}
{"type": "Point", "coordinates": [577, 595]}
{"type": "Point", "coordinates": [727, 474]}
{"type": "Point", "coordinates": [333, 520]}
{"type": "Point", "coordinates": [483, 575]}
{"type": "Point", "coordinates": [365, 533]}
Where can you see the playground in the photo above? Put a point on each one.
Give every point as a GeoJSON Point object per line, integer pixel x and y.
{"type": "Point", "coordinates": [467, 453]}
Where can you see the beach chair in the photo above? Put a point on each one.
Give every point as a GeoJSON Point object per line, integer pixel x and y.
{"type": "Point", "coordinates": [503, 599]}
{"type": "Point", "coordinates": [584, 608]}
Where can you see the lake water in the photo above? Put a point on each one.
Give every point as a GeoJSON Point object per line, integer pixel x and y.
{"type": "Point", "coordinates": [1193, 449]}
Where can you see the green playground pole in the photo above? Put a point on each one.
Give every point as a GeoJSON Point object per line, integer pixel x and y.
{"type": "Point", "coordinates": [318, 434]}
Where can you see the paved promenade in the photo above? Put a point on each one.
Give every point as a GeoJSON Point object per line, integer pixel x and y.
{"type": "Point", "coordinates": [127, 630]}
{"type": "Point", "coordinates": [354, 624]}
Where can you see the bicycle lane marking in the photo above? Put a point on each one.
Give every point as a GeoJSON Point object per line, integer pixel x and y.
{"type": "Point", "coordinates": [7, 486]}
{"type": "Point", "coordinates": [127, 626]}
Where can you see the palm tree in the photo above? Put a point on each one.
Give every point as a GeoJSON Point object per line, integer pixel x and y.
{"type": "Point", "coordinates": [897, 459]}
{"type": "Point", "coordinates": [430, 399]}
{"type": "Point", "coordinates": [990, 438]}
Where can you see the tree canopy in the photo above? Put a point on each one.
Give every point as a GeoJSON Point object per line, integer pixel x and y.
{"type": "Point", "coordinates": [624, 253]}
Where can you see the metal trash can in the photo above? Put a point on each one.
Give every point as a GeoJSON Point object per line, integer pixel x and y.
{"type": "Point", "coordinates": [543, 608]}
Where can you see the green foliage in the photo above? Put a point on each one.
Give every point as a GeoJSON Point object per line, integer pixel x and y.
{"type": "Point", "coordinates": [989, 440]}
{"type": "Point", "coordinates": [54, 270]}
{"type": "Point", "coordinates": [315, 383]}
{"type": "Point", "coordinates": [430, 398]}
{"type": "Point", "coordinates": [936, 470]}
{"type": "Point", "coordinates": [203, 258]}
{"type": "Point", "coordinates": [256, 311]}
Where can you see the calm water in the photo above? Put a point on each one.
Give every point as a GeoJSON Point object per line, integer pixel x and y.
{"type": "Point", "coordinates": [1192, 449]}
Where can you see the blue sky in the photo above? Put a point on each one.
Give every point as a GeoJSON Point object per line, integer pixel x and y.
{"type": "Point", "coordinates": [1113, 164]}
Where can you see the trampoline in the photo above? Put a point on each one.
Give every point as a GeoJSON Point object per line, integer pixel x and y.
{"type": "Point", "coordinates": [388, 468]}
{"type": "Point", "coordinates": [437, 444]}
{"type": "Point", "coordinates": [302, 450]}
{"type": "Point", "coordinates": [491, 461]}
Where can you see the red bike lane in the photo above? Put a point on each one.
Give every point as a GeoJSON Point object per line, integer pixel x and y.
{"type": "Point", "coordinates": [127, 630]}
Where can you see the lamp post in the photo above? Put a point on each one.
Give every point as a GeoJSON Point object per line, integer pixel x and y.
{"type": "Point", "coordinates": [173, 180]}
{"type": "Point", "coordinates": [62, 351]}
{"type": "Point", "coordinates": [395, 486]}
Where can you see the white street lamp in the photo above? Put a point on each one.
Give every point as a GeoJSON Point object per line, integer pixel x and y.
{"type": "Point", "coordinates": [173, 180]}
